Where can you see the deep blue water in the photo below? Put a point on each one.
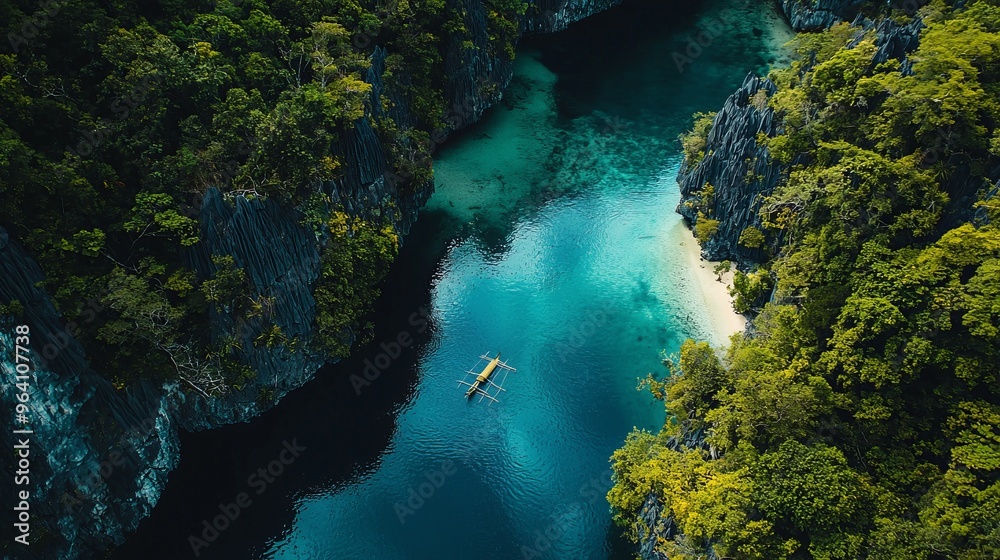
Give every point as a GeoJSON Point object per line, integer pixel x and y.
{"type": "Point", "coordinates": [552, 237]}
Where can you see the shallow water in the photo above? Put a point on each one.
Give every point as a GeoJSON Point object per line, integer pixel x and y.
{"type": "Point", "coordinates": [552, 238]}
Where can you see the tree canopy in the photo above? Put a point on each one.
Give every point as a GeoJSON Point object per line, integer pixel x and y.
{"type": "Point", "coordinates": [119, 116]}
{"type": "Point", "coordinates": [861, 419]}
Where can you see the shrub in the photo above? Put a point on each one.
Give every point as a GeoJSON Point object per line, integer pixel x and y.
{"type": "Point", "coordinates": [705, 228]}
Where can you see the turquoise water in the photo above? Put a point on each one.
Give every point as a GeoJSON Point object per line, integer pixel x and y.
{"type": "Point", "coordinates": [561, 230]}
{"type": "Point", "coordinates": [551, 237]}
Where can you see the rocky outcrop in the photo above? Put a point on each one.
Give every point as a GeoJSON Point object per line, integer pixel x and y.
{"type": "Point", "coordinates": [892, 40]}
{"type": "Point", "coordinates": [739, 170]}
{"type": "Point", "coordinates": [814, 15]}
{"type": "Point", "coordinates": [91, 445]}
{"type": "Point", "coordinates": [656, 526]}
{"type": "Point", "coordinates": [101, 455]}
{"type": "Point", "coordinates": [742, 172]}
{"type": "Point", "coordinates": [282, 261]}
{"type": "Point", "coordinates": [477, 77]}
{"type": "Point", "coordinates": [547, 16]}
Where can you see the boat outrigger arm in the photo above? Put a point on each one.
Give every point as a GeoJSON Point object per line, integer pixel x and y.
{"type": "Point", "coordinates": [482, 384]}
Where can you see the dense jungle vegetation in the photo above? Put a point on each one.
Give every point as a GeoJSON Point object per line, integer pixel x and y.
{"type": "Point", "coordinates": [117, 116]}
{"type": "Point", "coordinates": [862, 420]}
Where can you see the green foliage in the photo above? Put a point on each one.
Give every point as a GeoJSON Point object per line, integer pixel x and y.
{"type": "Point", "coordinates": [704, 199]}
{"type": "Point", "coordinates": [752, 238]}
{"type": "Point", "coordinates": [227, 284]}
{"type": "Point", "coordinates": [750, 289]}
{"type": "Point", "coordinates": [860, 420]}
{"type": "Point", "coordinates": [353, 263]}
{"type": "Point", "coordinates": [119, 116]}
{"type": "Point", "coordinates": [723, 267]}
{"type": "Point", "coordinates": [694, 141]}
{"type": "Point", "coordinates": [15, 309]}
{"type": "Point", "coordinates": [695, 381]}
{"type": "Point", "coordinates": [156, 215]}
{"type": "Point", "coordinates": [705, 228]}
{"type": "Point", "coordinates": [503, 22]}
{"type": "Point", "coordinates": [272, 337]}
{"type": "Point", "coordinates": [813, 498]}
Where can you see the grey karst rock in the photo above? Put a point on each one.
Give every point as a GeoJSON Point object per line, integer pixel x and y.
{"type": "Point", "coordinates": [743, 173]}
{"type": "Point", "coordinates": [738, 169]}
{"type": "Point", "coordinates": [814, 15]}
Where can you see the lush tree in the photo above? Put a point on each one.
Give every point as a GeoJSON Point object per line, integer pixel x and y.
{"type": "Point", "coordinates": [119, 116]}
{"type": "Point", "coordinates": [860, 419]}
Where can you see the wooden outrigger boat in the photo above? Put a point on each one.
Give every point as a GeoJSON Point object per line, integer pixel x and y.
{"type": "Point", "coordinates": [481, 383]}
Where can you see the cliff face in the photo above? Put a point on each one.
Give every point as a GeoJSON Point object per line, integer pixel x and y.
{"type": "Point", "coordinates": [100, 456]}
{"type": "Point", "coordinates": [741, 171]}
{"type": "Point", "coordinates": [814, 15]}
{"type": "Point", "coordinates": [657, 527]}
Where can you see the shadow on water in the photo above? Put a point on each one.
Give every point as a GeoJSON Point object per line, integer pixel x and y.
{"type": "Point", "coordinates": [582, 58]}
{"type": "Point", "coordinates": [643, 58]}
{"type": "Point", "coordinates": [344, 434]}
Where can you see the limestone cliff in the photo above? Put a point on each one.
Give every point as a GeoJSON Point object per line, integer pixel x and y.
{"type": "Point", "coordinates": [814, 15]}
{"type": "Point", "coordinates": [741, 171]}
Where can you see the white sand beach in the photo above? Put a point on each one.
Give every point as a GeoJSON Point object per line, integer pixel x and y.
{"type": "Point", "coordinates": [711, 295]}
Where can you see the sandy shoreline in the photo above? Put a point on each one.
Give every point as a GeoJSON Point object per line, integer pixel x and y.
{"type": "Point", "coordinates": [711, 296]}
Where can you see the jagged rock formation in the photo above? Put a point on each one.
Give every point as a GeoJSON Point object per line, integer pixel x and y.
{"type": "Point", "coordinates": [555, 15]}
{"type": "Point", "coordinates": [739, 169]}
{"type": "Point", "coordinates": [78, 476]}
{"type": "Point", "coordinates": [892, 40]}
{"type": "Point", "coordinates": [743, 173]}
{"type": "Point", "coordinates": [658, 528]}
{"type": "Point", "coordinates": [101, 456]}
{"type": "Point", "coordinates": [282, 261]}
{"type": "Point", "coordinates": [814, 15]}
{"type": "Point", "coordinates": [476, 81]}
